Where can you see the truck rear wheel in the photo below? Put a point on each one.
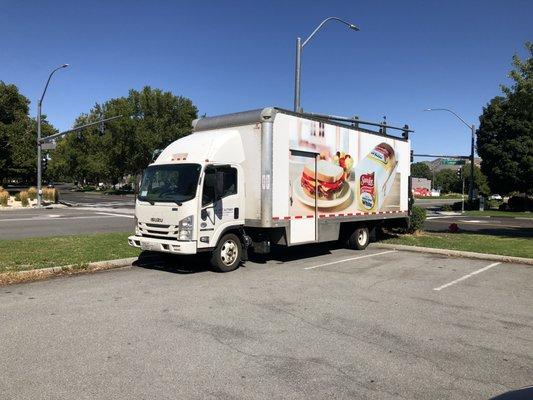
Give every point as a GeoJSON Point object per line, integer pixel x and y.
{"type": "Point", "coordinates": [359, 239]}
{"type": "Point", "coordinates": [228, 253]}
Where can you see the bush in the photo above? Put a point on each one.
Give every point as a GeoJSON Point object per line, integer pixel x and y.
{"type": "Point", "coordinates": [417, 218]}
{"type": "Point", "coordinates": [51, 195]}
{"type": "Point", "coordinates": [32, 193]}
{"type": "Point", "coordinates": [24, 198]}
{"type": "Point", "coordinates": [4, 197]}
{"type": "Point", "coordinates": [447, 207]}
{"type": "Point", "coordinates": [17, 196]}
{"type": "Point", "coordinates": [520, 203]}
{"type": "Point", "coordinates": [503, 207]}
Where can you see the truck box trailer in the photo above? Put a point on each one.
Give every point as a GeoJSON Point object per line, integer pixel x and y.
{"type": "Point", "coordinates": [254, 179]}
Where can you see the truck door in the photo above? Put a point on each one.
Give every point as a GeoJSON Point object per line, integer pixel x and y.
{"type": "Point", "coordinates": [303, 227]}
{"type": "Point", "coordinates": [222, 202]}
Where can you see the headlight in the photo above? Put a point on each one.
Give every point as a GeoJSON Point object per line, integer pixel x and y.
{"type": "Point", "coordinates": [185, 228]}
{"type": "Point", "coordinates": [136, 224]}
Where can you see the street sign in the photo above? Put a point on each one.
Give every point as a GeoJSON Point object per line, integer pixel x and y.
{"type": "Point", "coordinates": [448, 161]}
{"type": "Point", "coordinates": [49, 145]}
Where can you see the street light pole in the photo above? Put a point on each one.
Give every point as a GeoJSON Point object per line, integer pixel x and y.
{"type": "Point", "coordinates": [39, 144]}
{"type": "Point", "coordinates": [473, 131]}
{"type": "Point", "coordinates": [299, 47]}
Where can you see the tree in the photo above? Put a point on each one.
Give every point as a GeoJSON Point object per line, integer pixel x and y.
{"type": "Point", "coordinates": [505, 134]}
{"type": "Point", "coordinates": [420, 170]}
{"type": "Point", "coordinates": [480, 180]}
{"type": "Point", "coordinates": [151, 119]}
{"type": "Point", "coordinates": [18, 134]}
{"type": "Point", "coordinates": [447, 180]}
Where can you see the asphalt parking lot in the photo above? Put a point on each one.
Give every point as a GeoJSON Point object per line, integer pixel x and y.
{"type": "Point", "coordinates": [307, 323]}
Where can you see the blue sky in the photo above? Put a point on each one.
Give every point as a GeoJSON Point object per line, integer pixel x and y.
{"type": "Point", "coordinates": [231, 56]}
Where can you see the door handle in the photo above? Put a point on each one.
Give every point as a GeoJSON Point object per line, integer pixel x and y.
{"type": "Point", "coordinates": [236, 213]}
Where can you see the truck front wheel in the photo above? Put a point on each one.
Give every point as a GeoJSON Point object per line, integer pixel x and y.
{"type": "Point", "coordinates": [359, 239]}
{"type": "Point", "coordinates": [228, 253]}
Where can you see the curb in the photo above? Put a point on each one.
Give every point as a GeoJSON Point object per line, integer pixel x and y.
{"type": "Point", "coordinates": [456, 253]}
{"type": "Point", "coordinates": [8, 278]}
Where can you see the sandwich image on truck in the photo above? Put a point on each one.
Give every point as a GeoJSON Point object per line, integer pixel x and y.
{"type": "Point", "coordinates": [271, 177]}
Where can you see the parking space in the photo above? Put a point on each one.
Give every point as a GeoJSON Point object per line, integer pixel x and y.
{"type": "Point", "coordinates": [309, 322]}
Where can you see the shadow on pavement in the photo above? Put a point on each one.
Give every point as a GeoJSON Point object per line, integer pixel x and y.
{"type": "Point", "coordinates": [519, 394]}
{"type": "Point", "coordinates": [286, 254]}
{"type": "Point", "coordinates": [173, 263]}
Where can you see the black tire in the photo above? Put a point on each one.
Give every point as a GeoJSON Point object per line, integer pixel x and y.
{"type": "Point", "coordinates": [359, 238]}
{"type": "Point", "coordinates": [227, 255]}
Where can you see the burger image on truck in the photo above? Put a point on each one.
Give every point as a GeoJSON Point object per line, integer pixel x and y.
{"type": "Point", "coordinates": [271, 177]}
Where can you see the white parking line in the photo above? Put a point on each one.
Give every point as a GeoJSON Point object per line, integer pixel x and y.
{"type": "Point", "coordinates": [350, 259]}
{"type": "Point", "coordinates": [462, 278]}
{"type": "Point", "coordinates": [116, 215]}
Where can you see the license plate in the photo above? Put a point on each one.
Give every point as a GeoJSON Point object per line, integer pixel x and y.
{"type": "Point", "coordinates": [148, 246]}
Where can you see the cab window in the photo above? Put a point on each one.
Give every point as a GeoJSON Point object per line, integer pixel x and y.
{"type": "Point", "coordinates": [229, 179]}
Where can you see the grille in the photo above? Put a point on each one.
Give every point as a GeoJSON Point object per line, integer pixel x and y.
{"type": "Point", "coordinates": [158, 231]}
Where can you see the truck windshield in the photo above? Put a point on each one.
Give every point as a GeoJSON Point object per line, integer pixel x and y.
{"type": "Point", "coordinates": [170, 183]}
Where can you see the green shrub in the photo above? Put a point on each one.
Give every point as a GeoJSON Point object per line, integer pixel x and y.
{"type": "Point", "coordinates": [32, 193]}
{"type": "Point", "coordinates": [417, 218]}
{"type": "Point", "coordinates": [17, 196]}
{"type": "Point", "coordinates": [447, 207]}
{"type": "Point", "coordinates": [4, 197]}
{"type": "Point", "coordinates": [24, 198]}
{"type": "Point", "coordinates": [520, 203]}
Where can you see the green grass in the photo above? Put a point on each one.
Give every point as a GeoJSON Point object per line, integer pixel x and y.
{"type": "Point", "coordinates": [502, 245]}
{"type": "Point", "coordinates": [498, 213]}
{"type": "Point", "coordinates": [34, 253]}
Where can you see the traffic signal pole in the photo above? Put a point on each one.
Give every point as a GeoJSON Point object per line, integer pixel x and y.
{"type": "Point", "coordinates": [471, 183]}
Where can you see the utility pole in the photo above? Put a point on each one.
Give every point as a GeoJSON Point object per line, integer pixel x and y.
{"type": "Point", "coordinates": [299, 47]}
{"type": "Point", "coordinates": [472, 148]}
{"type": "Point", "coordinates": [39, 142]}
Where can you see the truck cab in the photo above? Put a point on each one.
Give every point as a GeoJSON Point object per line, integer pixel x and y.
{"type": "Point", "coordinates": [188, 204]}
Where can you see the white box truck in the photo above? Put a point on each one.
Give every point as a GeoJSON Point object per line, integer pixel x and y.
{"type": "Point", "coordinates": [267, 177]}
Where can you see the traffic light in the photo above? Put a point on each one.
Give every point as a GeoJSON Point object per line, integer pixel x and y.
{"type": "Point", "coordinates": [458, 173]}
{"type": "Point", "coordinates": [412, 155]}
{"type": "Point", "coordinates": [44, 164]}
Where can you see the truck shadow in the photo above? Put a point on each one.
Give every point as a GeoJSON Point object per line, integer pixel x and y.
{"type": "Point", "coordinates": [519, 394]}
{"type": "Point", "coordinates": [173, 263]}
{"type": "Point", "coordinates": [287, 254]}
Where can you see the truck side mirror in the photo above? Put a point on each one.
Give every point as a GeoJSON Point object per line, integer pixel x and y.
{"type": "Point", "coordinates": [219, 184]}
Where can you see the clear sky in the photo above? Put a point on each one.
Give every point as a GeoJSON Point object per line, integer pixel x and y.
{"type": "Point", "coordinates": [230, 56]}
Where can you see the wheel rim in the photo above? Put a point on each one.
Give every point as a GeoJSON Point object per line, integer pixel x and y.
{"type": "Point", "coordinates": [229, 252]}
{"type": "Point", "coordinates": [361, 237]}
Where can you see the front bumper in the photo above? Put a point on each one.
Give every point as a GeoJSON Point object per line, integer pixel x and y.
{"type": "Point", "coordinates": [163, 245]}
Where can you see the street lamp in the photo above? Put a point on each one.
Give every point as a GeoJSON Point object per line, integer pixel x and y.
{"type": "Point", "coordinates": [473, 130]}
{"type": "Point", "coordinates": [39, 144]}
{"type": "Point", "coordinates": [299, 47]}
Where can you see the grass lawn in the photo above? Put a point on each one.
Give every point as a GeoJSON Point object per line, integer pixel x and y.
{"type": "Point", "coordinates": [32, 253]}
{"type": "Point", "coordinates": [498, 213]}
{"type": "Point", "coordinates": [503, 245]}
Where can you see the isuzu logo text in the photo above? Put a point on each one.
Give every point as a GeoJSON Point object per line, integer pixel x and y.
{"type": "Point", "coordinates": [156, 219]}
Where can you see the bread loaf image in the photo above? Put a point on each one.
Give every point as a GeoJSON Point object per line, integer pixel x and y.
{"type": "Point", "coordinates": [374, 176]}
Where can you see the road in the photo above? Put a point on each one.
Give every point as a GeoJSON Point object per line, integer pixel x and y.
{"type": "Point", "coordinates": [64, 221]}
{"type": "Point", "coordinates": [430, 203]}
{"type": "Point", "coordinates": [309, 323]}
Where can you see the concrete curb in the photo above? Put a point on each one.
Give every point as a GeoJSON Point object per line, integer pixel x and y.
{"type": "Point", "coordinates": [8, 278]}
{"type": "Point", "coordinates": [455, 253]}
